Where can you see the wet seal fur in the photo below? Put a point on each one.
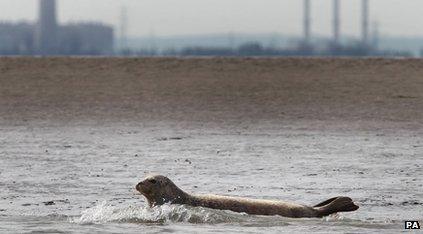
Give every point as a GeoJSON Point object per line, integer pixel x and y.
{"type": "Point", "coordinates": [159, 190]}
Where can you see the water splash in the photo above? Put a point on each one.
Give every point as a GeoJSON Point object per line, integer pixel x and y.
{"type": "Point", "coordinates": [106, 213]}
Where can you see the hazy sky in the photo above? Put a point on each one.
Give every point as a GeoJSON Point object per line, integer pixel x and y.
{"type": "Point", "coordinates": [176, 17]}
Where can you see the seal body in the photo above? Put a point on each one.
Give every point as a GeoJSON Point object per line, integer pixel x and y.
{"type": "Point", "coordinates": [252, 206]}
{"type": "Point", "coordinates": [159, 190]}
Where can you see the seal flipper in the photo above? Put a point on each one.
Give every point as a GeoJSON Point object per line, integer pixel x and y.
{"type": "Point", "coordinates": [334, 205]}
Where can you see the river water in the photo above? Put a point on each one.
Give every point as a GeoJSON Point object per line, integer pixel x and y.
{"type": "Point", "coordinates": [73, 178]}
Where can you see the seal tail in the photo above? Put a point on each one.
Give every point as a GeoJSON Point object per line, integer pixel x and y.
{"type": "Point", "coordinates": [334, 205]}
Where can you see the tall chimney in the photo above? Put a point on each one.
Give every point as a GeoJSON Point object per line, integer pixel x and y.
{"type": "Point", "coordinates": [123, 28]}
{"type": "Point", "coordinates": [307, 21]}
{"type": "Point", "coordinates": [47, 28]}
{"type": "Point", "coordinates": [336, 21]}
{"type": "Point", "coordinates": [365, 22]}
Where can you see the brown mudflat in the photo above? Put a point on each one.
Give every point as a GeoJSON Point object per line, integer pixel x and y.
{"type": "Point", "coordinates": [361, 92]}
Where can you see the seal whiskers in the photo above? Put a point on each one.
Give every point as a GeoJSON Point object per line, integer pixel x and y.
{"type": "Point", "coordinates": [160, 190]}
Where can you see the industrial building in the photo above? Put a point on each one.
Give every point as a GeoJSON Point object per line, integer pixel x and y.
{"type": "Point", "coordinates": [17, 38]}
{"type": "Point", "coordinates": [47, 37]}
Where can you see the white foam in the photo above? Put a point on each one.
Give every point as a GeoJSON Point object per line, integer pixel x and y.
{"type": "Point", "coordinates": [105, 213]}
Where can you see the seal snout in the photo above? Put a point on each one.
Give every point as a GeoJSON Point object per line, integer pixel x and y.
{"type": "Point", "coordinates": [139, 186]}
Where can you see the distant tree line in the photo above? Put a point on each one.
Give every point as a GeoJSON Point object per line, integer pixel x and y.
{"type": "Point", "coordinates": [256, 49]}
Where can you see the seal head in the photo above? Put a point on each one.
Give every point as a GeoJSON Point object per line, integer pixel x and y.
{"type": "Point", "coordinates": [159, 190]}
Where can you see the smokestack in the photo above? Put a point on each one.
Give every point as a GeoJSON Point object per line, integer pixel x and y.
{"type": "Point", "coordinates": [307, 21]}
{"type": "Point", "coordinates": [336, 21]}
{"type": "Point", "coordinates": [365, 21]}
{"type": "Point", "coordinates": [123, 27]}
{"type": "Point", "coordinates": [375, 35]}
{"type": "Point", "coordinates": [47, 28]}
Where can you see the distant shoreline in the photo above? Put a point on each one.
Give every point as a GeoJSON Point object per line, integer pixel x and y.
{"type": "Point", "coordinates": [377, 92]}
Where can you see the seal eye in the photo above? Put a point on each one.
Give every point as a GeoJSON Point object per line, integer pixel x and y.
{"type": "Point", "coordinates": [153, 181]}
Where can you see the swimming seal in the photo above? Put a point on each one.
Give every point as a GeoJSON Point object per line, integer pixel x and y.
{"type": "Point", "coordinates": [159, 190]}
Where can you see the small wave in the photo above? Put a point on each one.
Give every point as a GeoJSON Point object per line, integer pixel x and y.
{"type": "Point", "coordinates": [105, 213]}
{"type": "Point", "coordinates": [369, 223]}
